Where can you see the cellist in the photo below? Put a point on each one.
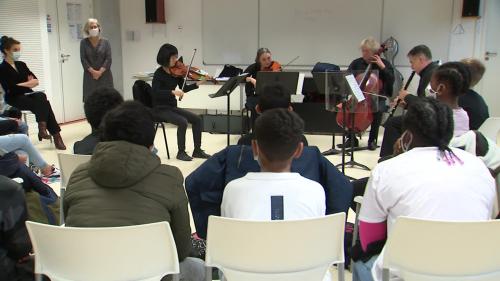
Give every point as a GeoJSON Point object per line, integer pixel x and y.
{"type": "Point", "coordinates": [369, 48]}
{"type": "Point", "coordinates": [263, 62]}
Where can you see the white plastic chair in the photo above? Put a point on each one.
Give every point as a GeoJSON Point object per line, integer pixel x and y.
{"type": "Point", "coordinates": [67, 164]}
{"type": "Point", "coordinates": [359, 201]}
{"type": "Point", "coordinates": [422, 250]}
{"type": "Point", "coordinates": [295, 250]}
{"type": "Point", "coordinates": [141, 252]}
{"type": "Point", "coordinates": [491, 128]}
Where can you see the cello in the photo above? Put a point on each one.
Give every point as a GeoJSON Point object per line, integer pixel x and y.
{"type": "Point", "coordinates": [359, 116]}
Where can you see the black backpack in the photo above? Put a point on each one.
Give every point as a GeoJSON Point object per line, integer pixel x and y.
{"type": "Point", "coordinates": [141, 92]}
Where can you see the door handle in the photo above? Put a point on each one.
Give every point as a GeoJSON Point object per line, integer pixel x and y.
{"type": "Point", "coordinates": [64, 57]}
{"type": "Point", "coordinates": [488, 55]}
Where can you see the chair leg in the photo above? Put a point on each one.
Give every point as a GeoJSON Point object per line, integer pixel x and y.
{"type": "Point", "coordinates": [165, 138]}
{"type": "Point", "coordinates": [208, 273]}
{"type": "Point", "coordinates": [386, 274]}
{"type": "Point", "coordinates": [61, 206]}
{"type": "Point", "coordinates": [341, 271]}
{"type": "Point", "coordinates": [355, 231]}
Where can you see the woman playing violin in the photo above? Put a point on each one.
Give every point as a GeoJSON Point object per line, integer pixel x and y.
{"type": "Point", "coordinates": [263, 62]}
{"type": "Point", "coordinates": [164, 93]}
{"type": "Point", "coordinates": [369, 48]}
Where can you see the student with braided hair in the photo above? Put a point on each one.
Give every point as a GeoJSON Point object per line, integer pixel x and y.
{"type": "Point", "coordinates": [428, 180]}
{"type": "Point", "coordinates": [449, 81]}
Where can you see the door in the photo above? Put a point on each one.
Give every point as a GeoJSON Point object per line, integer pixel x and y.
{"type": "Point", "coordinates": [491, 83]}
{"type": "Point", "coordinates": [72, 15]}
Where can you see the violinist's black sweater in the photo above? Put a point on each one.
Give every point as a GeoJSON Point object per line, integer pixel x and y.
{"type": "Point", "coordinates": [163, 85]}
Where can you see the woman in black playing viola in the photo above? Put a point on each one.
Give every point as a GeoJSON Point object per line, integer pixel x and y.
{"type": "Point", "coordinates": [263, 62]}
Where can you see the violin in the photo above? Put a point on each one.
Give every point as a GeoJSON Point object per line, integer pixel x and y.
{"type": "Point", "coordinates": [274, 67]}
{"type": "Point", "coordinates": [359, 116]}
{"type": "Point", "coordinates": [196, 74]}
{"type": "Point", "coordinates": [182, 71]}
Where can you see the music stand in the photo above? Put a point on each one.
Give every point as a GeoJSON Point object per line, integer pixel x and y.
{"type": "Point", "coordinates": [332, 85]}
{"type": "Point", "coordinates": [226, 90]}
{"type": "Point", "coordinates": [355, 93]}
{"type": "Point", "coordinates": [289, 80]}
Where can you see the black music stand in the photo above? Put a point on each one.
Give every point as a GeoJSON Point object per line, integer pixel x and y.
{"type": "Point", "coordinates": [226, 90]}
{"type": "Point", "coordinates": [332, 85]}
{"type": "Point", "coordinates": [289, 80]}
{"type": "Point", "coordinates": [350, 92]}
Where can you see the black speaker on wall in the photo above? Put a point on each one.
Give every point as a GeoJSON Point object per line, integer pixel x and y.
{"type": "Point", "coordinates": [155, 11]}
{"type": "Point", "coordinates": [470, 8]}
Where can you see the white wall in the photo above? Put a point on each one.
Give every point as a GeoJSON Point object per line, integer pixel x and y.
{"type": "Point", "coordinates": [107, 12]}
{"type": "Point", "coordinates": [183, 29]}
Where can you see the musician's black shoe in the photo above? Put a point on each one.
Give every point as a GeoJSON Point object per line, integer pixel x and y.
{"type": "Point", "coordinates": [183, 156]}
{"type": "Point", "coordinates": [372, 145]}
{"type": "Point", "coordinates": [199, 153]}
{"type": "Point", "coordinates": [348, 143]}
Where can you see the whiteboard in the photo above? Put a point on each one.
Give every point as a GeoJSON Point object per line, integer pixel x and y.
{"type": "Point", "coordinates": [318, 30]}
{"type": "Point", "coordinates": [412, 23]}
{"type": "Point", "coordinates": [229, 31]}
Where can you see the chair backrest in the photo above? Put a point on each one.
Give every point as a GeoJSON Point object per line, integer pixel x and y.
{"type": "Point", "coordinates": [438, 250]}
{"type": "Point", "coordinates": [68, 163]}
{"type": "Point", "coordinates": [141, 252]}
{"type": "Point", "coordinates": [275, 250]}
{"type": "Point", "coordinates": [491, 128]}
{"type": "Point", "coordinates": [141, 92]}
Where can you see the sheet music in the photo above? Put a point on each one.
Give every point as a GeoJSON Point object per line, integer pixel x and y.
{"type": "Point", "coordinates": [356, 90]}
{"type": "Point", "coordinates": [300, 83]}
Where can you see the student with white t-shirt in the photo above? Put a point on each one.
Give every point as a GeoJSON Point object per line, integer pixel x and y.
{"type": "Point", "coordinates": [428, 180]}
{"type": "Point", "coordinates": [275, 193]}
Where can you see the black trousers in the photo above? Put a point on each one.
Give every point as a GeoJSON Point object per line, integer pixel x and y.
{"type": "Point", "coordinates": [8, 127]}
{"type": "Point", "coordinates": [39, 105]}
{"type": "Point", "coordinates": [250, 104]}
{"type": "Point", "coordinates": [393, 130]}
{"type": "Point", "coordinates": [181, 118]}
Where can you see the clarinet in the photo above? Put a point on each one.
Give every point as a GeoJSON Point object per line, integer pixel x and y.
{"type": "Point", "coordinates": [393, 110]}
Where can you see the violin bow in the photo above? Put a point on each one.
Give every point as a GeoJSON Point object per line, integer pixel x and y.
{"type": "Point", "coordinates": [290, 62]}
{"type": "Point", "coordinates": [187, 72]}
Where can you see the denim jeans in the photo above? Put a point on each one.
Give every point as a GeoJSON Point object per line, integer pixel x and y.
{"type": "Point", "coordinates": [362, 271]}
{"type": "Point", "coordinates": [191, 269]}
{"type": "Point", "coordinates": [21, 142]}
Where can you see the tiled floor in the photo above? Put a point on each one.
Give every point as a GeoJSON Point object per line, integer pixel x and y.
{"type": "Point", "coordinates": [211, 143]}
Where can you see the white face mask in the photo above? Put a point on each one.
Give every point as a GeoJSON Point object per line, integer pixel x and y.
{"type": "Point", "coordinates": [94, 32]}
{"type": "Point", "coordinates": [16, 55]}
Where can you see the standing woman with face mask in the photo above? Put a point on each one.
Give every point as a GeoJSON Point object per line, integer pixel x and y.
{"type": "Point", "coordinates": [18, 81]}
{"type": "Point", "coordinates": [95, 54]}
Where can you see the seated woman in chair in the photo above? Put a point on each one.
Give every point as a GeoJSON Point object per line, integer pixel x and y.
{"type": "Point", "coordinates": [18, 81]}
{"type": "Point", "coordinates": [164, 100]}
